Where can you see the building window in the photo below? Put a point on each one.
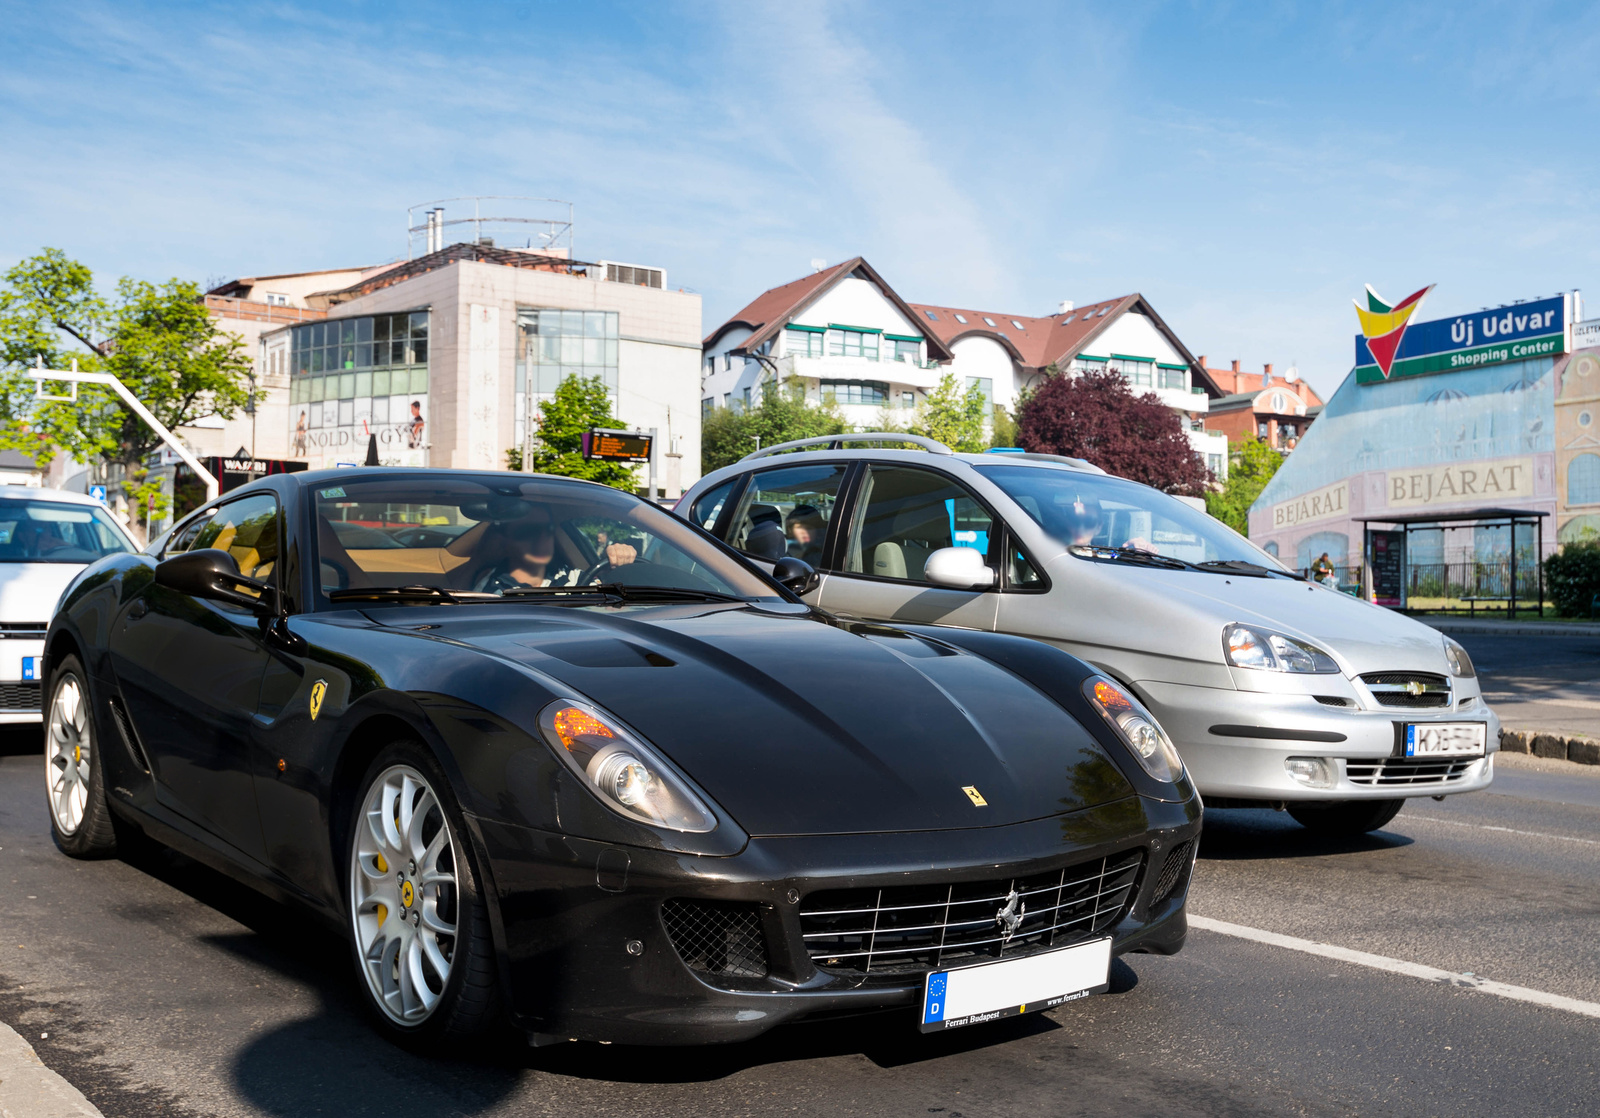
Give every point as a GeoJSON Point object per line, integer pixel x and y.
{"type": "Point", "coordinates": [1171, 376]}
{"type": "Point", "coordinates": [908, 399]}
{"type": "Point", "coordinates": [1214, 464]}
{"type": "Point", "coordinates": [856, 391]}
{"type": "Point", "coordinates": [1583, 480]}
{"type": "Point", "coordinates": [897, 348]}
{"type": "Point", "coordinates": [746, 399]}
{"type": "Point", "coordinates": [275, 299]}
{"type": "Point", "coordinates": [931, 316]}
{"type": "Point", "coordinates": [1289, 430]}
{"type": "Point", "coordinates": [1262, 429]}
{"type": "Point", "coordinates": [1139, 371]}
{"type": "Point", "coordinates": [727, 399]}
{"type": "Point", "coordinates": [853, 343]}
{"type": "Point", "coordinates": [984, 385]}
{"type": "Point", "coordinates": [347, 358]}
{"type": "Point", "coordinates": [961, 318]}
{"type": "Point", "coordinates": [1084, 363]}
{"type": "Point", "coordinates": [557, 344]}
{"type": "Point", "coordinates": [707, 406]}
{"type": "Point", "coordinates": [802, 343]}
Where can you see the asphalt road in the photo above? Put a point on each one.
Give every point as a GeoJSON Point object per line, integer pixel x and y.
{"type": "Point", "coordinates": [166, 989]}
{"type": "Point", "coordinates": [1544, 683]}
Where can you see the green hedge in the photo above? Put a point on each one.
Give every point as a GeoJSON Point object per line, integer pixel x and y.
{"type": "Point", "coordinates": [1572, 578]}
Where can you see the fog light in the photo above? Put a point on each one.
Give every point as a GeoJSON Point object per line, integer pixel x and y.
{"type": "Point", "coordinates": [1313, 772]}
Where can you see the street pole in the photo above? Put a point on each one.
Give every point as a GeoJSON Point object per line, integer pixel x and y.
{"type": "Point", "coordinates": [75, 376]}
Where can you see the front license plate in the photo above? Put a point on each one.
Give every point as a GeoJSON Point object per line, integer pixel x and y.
{"type": "Point", "coordinates": [1007, 987]}
{"type": "Point", "coordinates": [30, 668]}
{"type": "Point", "coordinates": [1446, 739]}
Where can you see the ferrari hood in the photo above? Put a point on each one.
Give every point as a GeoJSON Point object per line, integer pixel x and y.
{"type": "Point", "coordinates": [796, 725]}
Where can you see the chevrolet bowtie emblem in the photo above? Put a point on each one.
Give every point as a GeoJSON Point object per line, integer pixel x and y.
{"type": "Point", "coordinates": [318, 690]}
{"type": "Point", "coordinates": [1009, 918]}
{"type": "Point", "coordinates": [1415, 687]}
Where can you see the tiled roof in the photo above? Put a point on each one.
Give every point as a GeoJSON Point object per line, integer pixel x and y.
{"type": "Point", "coordinates": [770, 311]}
{"type": "Point", "coordinates": [1039, 341]}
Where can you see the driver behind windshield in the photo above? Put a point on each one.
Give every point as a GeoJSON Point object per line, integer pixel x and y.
{"type": "Point", "coordinates": [508, 554]}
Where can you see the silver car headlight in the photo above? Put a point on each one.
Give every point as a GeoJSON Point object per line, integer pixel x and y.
{"type": "Point", "coordinates": [1137, 728]}
{"type": "Point", "coordinates": [1251, 646]}
{"type": "Point", "coordinates": [628, 776]}
{"type": "Point", "coordinates": [1460, 662]}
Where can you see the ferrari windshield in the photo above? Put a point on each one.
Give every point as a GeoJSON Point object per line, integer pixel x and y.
{"type": "Point", "coordinates": [502, 536]}
{"type": "Point", "coordinates": [1084, 510]}
{"type": "Point", "coordinates": [56, 532]}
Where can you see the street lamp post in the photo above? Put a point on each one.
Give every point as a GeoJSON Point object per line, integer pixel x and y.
{"type": "Point", "coordinates": [76, 376]}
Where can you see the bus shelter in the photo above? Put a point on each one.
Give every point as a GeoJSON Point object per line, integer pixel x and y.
{"type": "Point", "coordinates": [1453, 576]}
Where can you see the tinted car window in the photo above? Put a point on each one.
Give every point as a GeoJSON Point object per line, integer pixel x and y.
{"type": "Point", "coordinates": [787, 512]}
{"type": "Point", "coordinates": [705, 511]}
{"type": "Point", "coordinates": [56, 532]}
{"type": "Point", "coordinates": [906, 514]}
{"type": "Point", "coordinates": [184, 538]}
{"type": "Point", "coordinates": [498, 536]}
{"type": "Point", "coordinates": [246, 529]}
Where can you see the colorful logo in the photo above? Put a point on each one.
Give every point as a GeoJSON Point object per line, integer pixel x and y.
{"type": "Point", "coordinates": [318, 690]}
{"type": "Point", "coordinates": [1383, 326]}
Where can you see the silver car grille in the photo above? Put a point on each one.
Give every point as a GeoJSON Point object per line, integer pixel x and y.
{"type": "Point", "coordinates": [20, 696]}
{"type": "Point", "coordinates": [1409, 689]}
{"type": "Point", "coordinates": [912, 928]}
{"type": "Point", "coordinates": [1408, 772]}
{"type": "Point", "coordinates": [24, 630]}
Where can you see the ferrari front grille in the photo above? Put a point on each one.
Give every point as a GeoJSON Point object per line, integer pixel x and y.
{"type": "Point", "coordinates": [1395, 772]}
{"type": "Point", "coordinates": [1408, 689]}
{"type": "Point", "coordinates": [718, 939]}
{"type": "Point", "coordinates": [905, 928]}
{"type": "Point", "coordinates": [20, 696]}
{"type": "Point", "coordinates": [1174, 871]}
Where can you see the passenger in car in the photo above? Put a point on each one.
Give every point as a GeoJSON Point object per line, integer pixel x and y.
{"type": "Point", "coordinates": [806, 530]}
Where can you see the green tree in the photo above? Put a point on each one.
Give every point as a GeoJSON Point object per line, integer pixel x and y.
{"type": "Point", "coordinates": [1251, 465]}
{"type": "Point", "coordinates": [157, 339]}
{"type": "Point", "coordinates": [781, 415]}
{"type": "Point", "coordinates": [953, 417]}
{"type": "Point", "coordinates": [579, 404]}
{"type": "Point", "coordinates": [1005, 428]}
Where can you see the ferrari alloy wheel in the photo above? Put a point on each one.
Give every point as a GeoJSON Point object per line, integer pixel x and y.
{"type": "Point", "coordinates": [419, 928]}
{"type": "Point", "coordinates": [80, 822]}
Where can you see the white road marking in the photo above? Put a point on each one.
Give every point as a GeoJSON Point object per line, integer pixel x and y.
{"type": "Point", "coordinates": [1502, 830]}
{"type": "Point", "coordinates": [1398, 966]}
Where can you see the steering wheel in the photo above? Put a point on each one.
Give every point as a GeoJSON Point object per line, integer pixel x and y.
{"type": "Point", "coordinates": [587, 578]}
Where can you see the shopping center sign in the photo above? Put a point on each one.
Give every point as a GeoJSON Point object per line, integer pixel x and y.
{"type": "Point", "coordinates": [1391, 346]}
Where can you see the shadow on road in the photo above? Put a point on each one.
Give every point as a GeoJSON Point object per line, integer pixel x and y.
{"type": "Point", "coordinates": [19, 741]}
{"type": "Point", "coordinates": [1259, 834]}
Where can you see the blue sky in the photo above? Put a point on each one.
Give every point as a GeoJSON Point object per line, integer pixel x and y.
{"type": "Point", "coordinates": [1247, 166]}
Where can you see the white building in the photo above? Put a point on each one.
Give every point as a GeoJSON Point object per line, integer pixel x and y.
{"type": "Point", "coordinates": [846, 333]}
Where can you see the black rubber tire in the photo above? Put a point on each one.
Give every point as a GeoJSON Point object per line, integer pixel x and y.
{"type": "Point", "coordinates": [95, 835]}
{"type": "Point", "coordinates": [1346, 817]}
{"type": "Point", "coordinates": [470, 1003]}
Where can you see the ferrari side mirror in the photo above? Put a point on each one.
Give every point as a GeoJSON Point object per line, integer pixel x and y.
{"type": "Point", "coordinates": [795, 574]}
{"type": "Point", "coordinates": [960, 568]}
{"type": "Point", "coordinates": [213, 574]}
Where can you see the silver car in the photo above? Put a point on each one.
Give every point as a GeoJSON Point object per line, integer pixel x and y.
{"type": "Point", "coordinates": [46, 537]}
{"type": "Point", "coordinates": [1276, 691]}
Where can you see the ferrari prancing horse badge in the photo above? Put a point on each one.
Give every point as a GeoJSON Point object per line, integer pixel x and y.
{"type": "Point", "coordinates": [318, 690]}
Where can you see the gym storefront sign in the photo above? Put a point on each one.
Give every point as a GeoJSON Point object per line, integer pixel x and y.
{"type": "Point", "coordinates": [1457, 483]}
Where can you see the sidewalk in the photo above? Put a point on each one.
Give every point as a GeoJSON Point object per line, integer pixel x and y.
{"type": "Point", "coordinates": [28, 1089]}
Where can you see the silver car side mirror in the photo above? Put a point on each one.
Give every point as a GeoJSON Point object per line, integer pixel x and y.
{"type": "Point", "coordinates": [960, 568]}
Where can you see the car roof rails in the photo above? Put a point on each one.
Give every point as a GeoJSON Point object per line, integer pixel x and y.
{"type": "Point", "coordinates": [1030, 456]}
{"type": "Point", "coordinates": [836, 442]}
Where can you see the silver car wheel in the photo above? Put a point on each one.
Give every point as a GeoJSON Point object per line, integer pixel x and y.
{"type": "Point", "coordinates": [69, 740]}
{"type": "Point", "coordinates": [404, 904]}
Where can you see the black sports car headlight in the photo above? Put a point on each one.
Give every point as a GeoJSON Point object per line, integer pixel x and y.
{"type": "Point", "coordinates": [629, 777]}
{"type": "Point", "coordinates": [1137, 728]}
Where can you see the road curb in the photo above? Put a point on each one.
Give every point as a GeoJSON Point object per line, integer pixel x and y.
{"type": "Point", "coordinates": [1557, 747]}
{"type": "Point", "coordinates": [28, 1089]}
{"type": "Point", "coordinates": [1512, 628]}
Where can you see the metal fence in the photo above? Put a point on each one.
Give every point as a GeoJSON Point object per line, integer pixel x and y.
{"type": "Point", "coordinates": [1473, 585]}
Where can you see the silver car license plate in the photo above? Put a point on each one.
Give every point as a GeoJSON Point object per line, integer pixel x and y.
{"type": "Point", "coordinates": [1007, 987]}
{"type": "Point", "coordinates": [1446, 739]}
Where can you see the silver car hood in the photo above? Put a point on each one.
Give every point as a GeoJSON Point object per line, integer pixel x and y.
{"type": "Point", "coordinates": [29, 591]}
{"type": "Point", "coordinates": [1183, 614]}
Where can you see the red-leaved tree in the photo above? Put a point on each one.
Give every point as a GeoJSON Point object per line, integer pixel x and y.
{"type": "Point", "coordinates": [1093, 416]}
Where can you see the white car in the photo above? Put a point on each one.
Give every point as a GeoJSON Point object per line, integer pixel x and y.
{"type": "Point", "coordinates": [46, 537]}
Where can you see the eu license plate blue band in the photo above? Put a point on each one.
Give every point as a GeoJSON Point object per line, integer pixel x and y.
{"type": "Point", "coordinates": [1007, 987]}
{"type": "Point", "coordinates": [30, 668]}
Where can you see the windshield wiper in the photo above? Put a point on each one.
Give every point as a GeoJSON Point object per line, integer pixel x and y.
{"type": "Point", "coordinates": [1234, 567]}
{"type": "Point", "coordinates": [624, 591]}
{"type": "Point", "coordinates": [1130, 555]}
{"type": "Point", "coordinates": [416, 593]}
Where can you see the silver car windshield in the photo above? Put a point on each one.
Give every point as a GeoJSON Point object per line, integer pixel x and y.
{"type": "Point", "coordinates": [1092, 510]}
{"type": "Point", "coordinates": [56, 532]}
